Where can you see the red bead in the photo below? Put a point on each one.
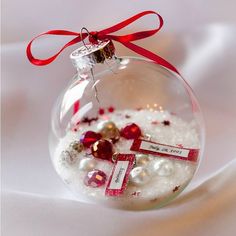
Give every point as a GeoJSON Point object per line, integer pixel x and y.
{"type": "Point", "coordinates": [95, 178]}
{"type": "Point", "coordinates": [131, 131]}
{"type": "Point", "coordinates": [102, 149]}
{"type": "Point", "coordinates": [88, 138]}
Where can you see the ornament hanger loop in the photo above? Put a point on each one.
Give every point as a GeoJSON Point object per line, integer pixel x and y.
{"type": "Point", "coordinates": [81, 35]}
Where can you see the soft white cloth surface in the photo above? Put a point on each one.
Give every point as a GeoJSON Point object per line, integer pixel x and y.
{"type": "Point", "coordinates": [34, 200]}
{"type": "Point", "coordinates": [207, 210]}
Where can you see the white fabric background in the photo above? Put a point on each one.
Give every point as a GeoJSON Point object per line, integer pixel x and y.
{"type": "Point", "coordinates": [198, 37]}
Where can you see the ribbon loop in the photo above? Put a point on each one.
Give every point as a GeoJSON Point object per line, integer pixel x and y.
{"type": "Point", "coordinates": [94, 36]}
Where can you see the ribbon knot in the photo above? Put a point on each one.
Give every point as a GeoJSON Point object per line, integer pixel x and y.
{"type": "Point", "coordinates": [94, 36]}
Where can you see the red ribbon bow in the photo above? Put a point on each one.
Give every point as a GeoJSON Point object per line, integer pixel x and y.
{"type": "Point", "coordinates": [126, 40]}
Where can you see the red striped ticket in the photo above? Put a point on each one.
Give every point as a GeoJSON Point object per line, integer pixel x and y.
{"type": "Point", "coordinates": [149, 147]}
{"type": "Point", "coordinates": [120, 174]}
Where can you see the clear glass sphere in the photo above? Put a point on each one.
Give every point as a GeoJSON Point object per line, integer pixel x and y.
{"type": "Point", "coordinates": [142, 101]}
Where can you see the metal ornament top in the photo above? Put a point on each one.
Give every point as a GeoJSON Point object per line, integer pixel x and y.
{"type": "Point", "coordinates": [90, 54]}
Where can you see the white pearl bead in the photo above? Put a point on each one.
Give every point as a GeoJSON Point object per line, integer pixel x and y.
{"type": "Point", "coordinates": [142, 159]}
{"type": "Point", "coordinates": [163, 167]}
{"type": "Point", "coordinates": [87, 164]}
{"type": "Point", "coordinates": [139, 176]}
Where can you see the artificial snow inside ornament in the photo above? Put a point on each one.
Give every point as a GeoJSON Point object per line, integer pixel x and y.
{"type": "Point", "coordinates": [127, 132]}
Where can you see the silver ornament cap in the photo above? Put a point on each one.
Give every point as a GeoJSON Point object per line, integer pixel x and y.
{"type": "Point", "coordinates": [90, 54]}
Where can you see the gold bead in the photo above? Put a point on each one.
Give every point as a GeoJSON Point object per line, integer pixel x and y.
{"type": "Point", "coordinates": [109, 130]}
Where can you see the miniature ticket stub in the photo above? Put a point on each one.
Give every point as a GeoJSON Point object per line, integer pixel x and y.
{"type": "Point", "coordinates": [153, 148]}
{"type": "Point", "coordinates": [120, 174]}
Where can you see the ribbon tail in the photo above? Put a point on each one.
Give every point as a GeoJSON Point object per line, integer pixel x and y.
{"type": "Point", "coordinates": [150, 55]}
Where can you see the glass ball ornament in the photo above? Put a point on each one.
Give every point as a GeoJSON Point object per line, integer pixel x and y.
{"type": "Point", "coordinates": [138, 107]}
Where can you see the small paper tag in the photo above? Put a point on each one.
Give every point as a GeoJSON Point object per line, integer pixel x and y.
{"type": "Point", "coordinates": [149, 147]}
{"type": "Point", "coordinates": [120, 174]}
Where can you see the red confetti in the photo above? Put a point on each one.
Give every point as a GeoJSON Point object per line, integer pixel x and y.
{"type": "Point", "coordinates": [89, 120]}
{"type": "Point", "coordinates": [135, 193]}
{"type": "Point", "coordinates": [101, 111]}
{"type": "Point", "coordinates": [166, 122]}
{"type": "Point", "coordinates": [176, 188]}
{"type": "Point", "coordinates": [155, 123]}
{"type": "Point", "coordinates": [111, 109]}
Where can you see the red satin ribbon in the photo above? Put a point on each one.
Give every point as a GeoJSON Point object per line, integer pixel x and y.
{"type": "Point", "coordinates": [126, 40]}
